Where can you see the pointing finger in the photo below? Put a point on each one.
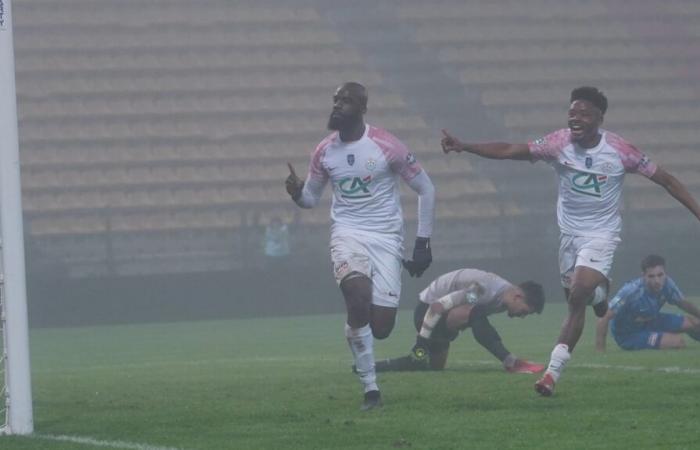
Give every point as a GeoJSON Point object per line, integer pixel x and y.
{"type": "Point", "coordinates": [291, 169]}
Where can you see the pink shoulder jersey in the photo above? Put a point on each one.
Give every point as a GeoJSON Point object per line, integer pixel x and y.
{"type": "Point", "coordinates": [590, 180]}
{"type": "Point", "coordinates": [364, 175]}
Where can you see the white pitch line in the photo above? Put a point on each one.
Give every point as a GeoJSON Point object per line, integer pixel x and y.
{"type": "Point", "coordinates": [196, 363]}
{"type": "Point", "coordinates": [670, 369]}
{"type": "Point", "coordinates": [101, 443]}
{"type": "Point", "coordinates": [301, 360]}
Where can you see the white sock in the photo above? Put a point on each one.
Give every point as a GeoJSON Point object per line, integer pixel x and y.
{"type": "Point", "coordinates": [361, 344]}
{"type": "Point", "coordinates": [560, 356]}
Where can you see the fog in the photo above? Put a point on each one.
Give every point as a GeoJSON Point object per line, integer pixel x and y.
{"type": "Point", "coordinates": [154, 137]}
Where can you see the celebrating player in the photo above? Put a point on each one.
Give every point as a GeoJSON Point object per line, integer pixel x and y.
{"type": "Point", "coordinates": [591, 164]}
{"type": "Point", "coordinates": [364, 164]}
{"type": "Point", "coordinates": [637, 320]}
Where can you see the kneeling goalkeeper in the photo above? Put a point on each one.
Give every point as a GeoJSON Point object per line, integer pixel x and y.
{"type": "Point", "coordinates": [464, 299]}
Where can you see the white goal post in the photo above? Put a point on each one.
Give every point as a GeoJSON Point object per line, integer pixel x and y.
{"type": "Point", "coordinates": [16, 401]}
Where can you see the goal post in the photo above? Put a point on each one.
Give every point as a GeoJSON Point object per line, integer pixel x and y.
{"type": "Point", "coordinates": [16, 404]}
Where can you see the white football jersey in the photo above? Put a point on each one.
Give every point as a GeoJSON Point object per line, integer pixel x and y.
{"type": "Point", "coordinates": [460, 280]}
{"type": "Point", "coordinates": [364, 175]}
{"type": "Point", "coordinates": [590, 180]}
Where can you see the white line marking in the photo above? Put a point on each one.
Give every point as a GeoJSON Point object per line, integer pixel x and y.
{"type": "Point", "coordinates": [302, 360]}
{"type": "Point", "coordinates": [100, 443]}
{"type": "Point", "coordinates": [671, 369]}
{"type": "Point", "coordinates": [149, 364]}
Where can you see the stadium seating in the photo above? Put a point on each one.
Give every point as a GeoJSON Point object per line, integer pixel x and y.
{"type": "Point", "coordinates": [163, 127]}
{"type": "Point", "coordinates": [524, 57]}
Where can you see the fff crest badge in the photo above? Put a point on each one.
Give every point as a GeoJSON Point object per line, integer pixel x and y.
{"type": "Point", "coordinates": [589, 162]}
{"type": "Point", "coordinates": [351, 159]}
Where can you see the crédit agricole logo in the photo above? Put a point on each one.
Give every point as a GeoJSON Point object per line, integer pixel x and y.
{"type": "Point", "coordinates": [355, 187]}
{"type": "Point", "coordinates": [588, 183]}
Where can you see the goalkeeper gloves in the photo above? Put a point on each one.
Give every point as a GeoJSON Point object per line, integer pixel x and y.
{"type": "Point", "coordinates": [422, 257]}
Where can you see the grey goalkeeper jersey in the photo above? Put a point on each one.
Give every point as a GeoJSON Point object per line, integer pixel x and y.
{"type": "Point", "coordinates": [488, 294]}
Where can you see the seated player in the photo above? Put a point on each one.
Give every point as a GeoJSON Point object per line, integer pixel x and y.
{"type": "Point", "coordinates": [464, 299]}
{"type": "Point", "coordinates": [635, 316]}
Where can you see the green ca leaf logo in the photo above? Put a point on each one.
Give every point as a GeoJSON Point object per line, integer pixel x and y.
{"type": "Point", "coordinates": [355, 187]}
{"type": "Point", "coordinates": [588, 183]}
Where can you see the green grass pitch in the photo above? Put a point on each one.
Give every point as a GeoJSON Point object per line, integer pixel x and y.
{"type": "Point", "coordinates": [285, 383]}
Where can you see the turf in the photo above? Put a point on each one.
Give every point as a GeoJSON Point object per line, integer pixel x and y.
{"type": "Point", "coordinates": [285, 383]}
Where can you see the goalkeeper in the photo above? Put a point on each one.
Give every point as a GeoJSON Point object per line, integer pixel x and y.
{"type": "Point", "coordinates": [464, 299]}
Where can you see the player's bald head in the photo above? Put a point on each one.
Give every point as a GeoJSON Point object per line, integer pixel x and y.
{"type": "Point", "coordinates": [355, 90]}
{"type": "Point", "coordinates": [349, 107]}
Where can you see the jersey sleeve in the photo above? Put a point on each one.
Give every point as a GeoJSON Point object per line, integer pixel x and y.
{"type": "Point", "coordinates": [633, 160]}
{"type": "Point", "coordinates": [422, 185]}
{"type": "Point", "coordinates": [619, 300]}
{"type": "Point", "coordinates": [471, 295]}
{"type": "Point", "coordinates": [461, 297]}
{"type": "Point", "coordinates": [316, 170]}
{"type": "Point", "coordinates": [399, 158]}
{"type": "Point", "coordinates": [674, 293]}
{"type": "Point", "coordinates": [316, 178]}
{"type": "Point", "coordinates": [547, 148]}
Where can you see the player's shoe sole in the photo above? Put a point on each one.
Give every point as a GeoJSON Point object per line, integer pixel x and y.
{"type": "Point", "coordinates": [525, 367]}
{"type": "Point", "coordinates": [545, 385]}
{"type": "Point", "coordinates": [373, 399]}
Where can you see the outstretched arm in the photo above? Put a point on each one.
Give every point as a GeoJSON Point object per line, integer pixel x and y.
{"type": "Point", "coordinates": [601, 330]}
{"type": "Point", "coordinates": [677, 190]}
{"type": "Point", "coordinates": [491, 150]}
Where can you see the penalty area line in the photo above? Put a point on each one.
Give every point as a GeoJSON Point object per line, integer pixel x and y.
{"type": "Point", "coordinates": [100, 443]}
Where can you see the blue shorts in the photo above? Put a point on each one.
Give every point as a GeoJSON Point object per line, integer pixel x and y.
{"type": "Point", "coordinates": [650, 336]}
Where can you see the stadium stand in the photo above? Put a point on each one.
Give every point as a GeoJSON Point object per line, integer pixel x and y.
{"type": "Point", "coordinates": [523, 58]}
{"type": "Point", "coordinates": [154, 134]}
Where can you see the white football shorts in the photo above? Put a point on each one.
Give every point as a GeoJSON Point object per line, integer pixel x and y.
{"type": "Point", "coordinates": [378, 256]}
{"type": "Point", "coordinates": [596, 253]}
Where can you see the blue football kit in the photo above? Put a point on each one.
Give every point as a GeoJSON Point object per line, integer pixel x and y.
{"type": "Point", "coordinates": [638, 322]}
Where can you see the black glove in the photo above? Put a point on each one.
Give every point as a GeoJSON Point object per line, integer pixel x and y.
{"type": "Point", "coordinates": [422, 257]}
{"type": "Point", "coordinates": [293, 184]}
